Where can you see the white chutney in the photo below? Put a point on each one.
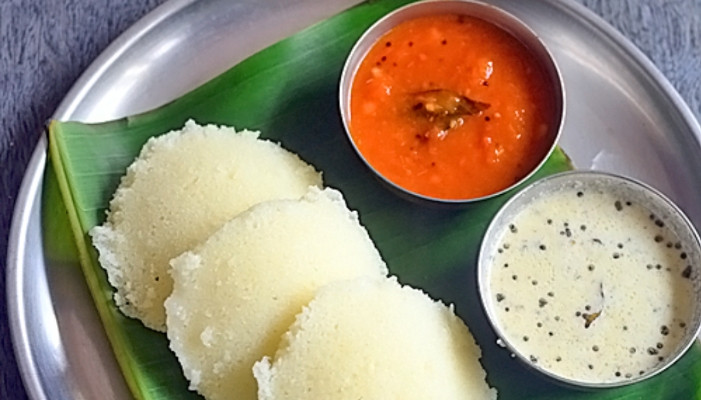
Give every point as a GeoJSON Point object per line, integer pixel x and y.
{"type": "Point", "coordinates": [591, 286]}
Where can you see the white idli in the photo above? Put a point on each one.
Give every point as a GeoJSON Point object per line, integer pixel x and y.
{"type": "Point", "coordinates": [374, 340]}
{"type": "Point", "coordinates": [235, 295]}
{"type": "Point", "coordinates": [183, 186]}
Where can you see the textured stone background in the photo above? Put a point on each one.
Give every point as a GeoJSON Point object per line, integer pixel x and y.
{"type": "Point", "coordinates": [45, 45]}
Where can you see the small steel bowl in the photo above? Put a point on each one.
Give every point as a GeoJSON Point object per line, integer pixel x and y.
{"type": "Point", "coordinates": [660, 210]}
{"type": "Point", "coordinates": [486, 12]}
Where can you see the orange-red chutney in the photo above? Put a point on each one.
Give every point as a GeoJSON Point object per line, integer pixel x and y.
{"type": "Point", "coordinates": [492, 149]}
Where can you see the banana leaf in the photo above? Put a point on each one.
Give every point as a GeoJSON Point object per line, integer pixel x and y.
{"type": "Point", "coordinates": [289, 92]}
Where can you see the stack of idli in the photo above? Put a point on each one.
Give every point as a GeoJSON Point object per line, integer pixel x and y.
{"type": "Point", "coordinates": [267, 285]}
{"type": "Point", "coordinates": [182, 187]}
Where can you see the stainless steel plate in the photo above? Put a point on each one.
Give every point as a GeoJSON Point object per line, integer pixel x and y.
{"type": "Point", "coordinates": [623, 116]}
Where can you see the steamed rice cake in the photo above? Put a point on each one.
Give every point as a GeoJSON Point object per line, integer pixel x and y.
{"type": "Point", "coordinates": [235, 295]}
{"type": "Point", "coordinates": [182, 187]}
{"type": "Point", "coordinates": [374, 340]}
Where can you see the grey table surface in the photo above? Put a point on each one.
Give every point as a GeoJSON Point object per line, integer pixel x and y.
{"type": "Point", "coordinates": [45, 45]}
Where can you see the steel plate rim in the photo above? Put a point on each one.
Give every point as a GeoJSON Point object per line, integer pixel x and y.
{"type": "Point", "coordinates": [112, 52]}
{"type": "Point", "coordinates": [29, 194]}
{"type": "Point", "coordinates": [640, 58]}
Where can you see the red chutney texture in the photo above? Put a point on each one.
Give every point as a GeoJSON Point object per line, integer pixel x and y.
{"type": "Point", "coordinates": [489, 150]}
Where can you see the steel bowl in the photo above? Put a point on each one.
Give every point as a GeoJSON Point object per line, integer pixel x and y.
{"type": "Point", "coordinates": [652, 201]}
{"type": "Point", "coordinates": [483, 11]}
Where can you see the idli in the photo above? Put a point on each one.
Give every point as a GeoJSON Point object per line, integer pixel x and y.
{"type": "Point", "coordinates": [182, 187]}
{"type": "Point", "coordinates": [374, 340]}
{"type": "Point", "coordinates": [236, 294]}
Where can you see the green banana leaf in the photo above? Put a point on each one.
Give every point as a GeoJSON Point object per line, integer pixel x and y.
{"type": "Point", "coordinates": [289, 92]}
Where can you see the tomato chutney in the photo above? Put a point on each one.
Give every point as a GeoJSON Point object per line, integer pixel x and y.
{"type": "Point", "coordinates": [452, 107]}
